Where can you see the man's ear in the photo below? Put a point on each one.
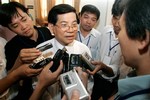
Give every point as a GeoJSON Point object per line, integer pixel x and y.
{"type": "Point", "coordinates": [145, 43]}
{"type": "Point", "coordinates": [51, 28]}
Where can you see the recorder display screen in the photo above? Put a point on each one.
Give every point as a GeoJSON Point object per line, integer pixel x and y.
{"type": "Point", "coordinates": [66, 80]}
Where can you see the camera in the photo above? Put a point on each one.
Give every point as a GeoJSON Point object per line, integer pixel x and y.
{"type": "Point", "coordinates": [60, 55]}
{"type": "Point", "coordinates": [86, 61]}
{"type": "Point", "coordinates": [82, 60]}
{"type": "Point", "coordinates": [71, 81]}
{"type": "Point", "coordinates": [45, 47]}
{"type": "Point", "coordinates": [40, 63]}
{"type": "Point", "coordinates": [75, 60]}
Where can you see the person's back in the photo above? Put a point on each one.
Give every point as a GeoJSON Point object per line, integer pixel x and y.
{"type": "Point", "coordinates": [135, 31]}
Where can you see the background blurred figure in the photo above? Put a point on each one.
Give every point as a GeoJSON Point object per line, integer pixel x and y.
{"type": "Point", "coordinates": [135, 31]}
{"type": "Point", "coordinates": [2, 62]}
{"type": "Point", "coordinates": [88, 18]}
{"type": "Point", "coordinates": [87, 34]}
{"type": "Point", "coordinates": [109, 55]}
{"type": "Point", "coordinates": [6, 33]}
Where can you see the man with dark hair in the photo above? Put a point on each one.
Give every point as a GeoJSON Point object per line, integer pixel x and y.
{"type": "Point", "coordinates": [62, 21]}
{"type": "Point", "coordinates": [134, 39]}
{"type": "Point", "coordinates": [88, 17]}
{"type": "Point", "coordinates": [14, 16]}
{"type": "Point", "coordinates": [109, 55]}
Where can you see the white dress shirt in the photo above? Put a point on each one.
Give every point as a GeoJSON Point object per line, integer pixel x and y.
{"type": "Point", "coordinates": [75, 47]}
{"type": "Point", "coordinates": [91, 40]}
{"type": "Point", "coordinates": [109, 51]}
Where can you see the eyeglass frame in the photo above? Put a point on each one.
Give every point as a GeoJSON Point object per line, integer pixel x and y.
{"type": "Point", "coordinates": [73, 26]}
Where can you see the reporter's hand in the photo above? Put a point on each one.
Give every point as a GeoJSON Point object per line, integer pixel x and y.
{"type": "Point", "coordinates": [83, 76]}
{"type": "Point", "coordinates": [74, 96]}
{"type": "Point", "coordinates": [47, 77]}
{"type": "Point", "coordinates": [28, 55]}
{"type": "Point", "coordinates": [98, 66]}
{"type": "Point", "coordinates": [25, 71]}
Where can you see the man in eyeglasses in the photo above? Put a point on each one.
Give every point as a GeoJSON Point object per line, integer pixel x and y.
{"type": "Point", "coordinates": [62, 21]}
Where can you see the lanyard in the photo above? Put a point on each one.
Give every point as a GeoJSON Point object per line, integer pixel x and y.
{"type": "Point", "coordinates": [87, 41]}
{"type": "Point", "coordinates": [110, 48]}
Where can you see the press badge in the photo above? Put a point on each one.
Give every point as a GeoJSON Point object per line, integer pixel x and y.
{"type": "Point", "coordinates": [107, 60]}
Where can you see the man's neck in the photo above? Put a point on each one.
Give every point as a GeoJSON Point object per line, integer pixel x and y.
{"type": "Point", "coordinates": [84, 33]}
{"type": "Point", "coordinates": [35, 35]}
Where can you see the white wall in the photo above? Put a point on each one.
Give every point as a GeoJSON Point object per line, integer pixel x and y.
{"type": "Point", "coordinates": [4, 1]}
{"type": "Point", "coordinates": [105, 10]}
{"type": "Point", "coordinates": [109, 7]}
{"type": "Point", "coordinates": [30, 4]}
{"type": "Point", "coordinates": [103, 5]}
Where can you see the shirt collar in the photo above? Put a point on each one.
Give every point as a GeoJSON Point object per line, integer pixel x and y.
{"type": "Point", "coordinates": [60, 46]}
{"type": "Point", "coordinates": [92, 33]}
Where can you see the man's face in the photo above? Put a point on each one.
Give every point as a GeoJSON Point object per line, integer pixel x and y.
{"type": "Point", "coordinates": [66, 28]}
{"type": "Point", "coordinates": [128, 46]}
{"type": "Point", "coordinates": [22, 24]}
{"type": "Point", "coordinates": [87, 21]}
{"type": "Point", "coordinates": [115, 23]}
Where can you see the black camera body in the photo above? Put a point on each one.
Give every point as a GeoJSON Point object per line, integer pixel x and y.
{"type": "Point", "coordinates": [45, 47]}
{"type": "Point", "coordinates": [82, 60]}
{"type": "Point", "coordinates": [60, 55]}
{"type": "Point", "coordinates": [41, 63]}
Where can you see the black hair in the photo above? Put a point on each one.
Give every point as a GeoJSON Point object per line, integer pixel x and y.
{"type": "Point", "coordinates": [137, 18]}
{"type": "Point", "coordinates": [91, 9]}
{"type": "Point", "coordinates": [8, 11]}
{"type": "Point", "coordinates": [118, 7]}
{"type": "Point", "coordinates": [57, 10]}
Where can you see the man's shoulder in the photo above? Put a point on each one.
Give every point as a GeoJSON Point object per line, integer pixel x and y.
{"type": "Point", "coordinates": [2, 41]}
{"type": "Point", "coordinates": [42, 29]}
{"type": "Point", "coordinates": [95, 31]}
{"type": "Point", "coordinates": [80, 45]}
{"type": "Point", "coordinates": [14, 40]}
{"type": "Point", "coordinates": [134, 87]}
{"type": "Point", "coordinates": [107, 29]}
{"type": "Point", "coordinates": [46, 42]}
{"type": "Point", "coordinates": [45, 32]}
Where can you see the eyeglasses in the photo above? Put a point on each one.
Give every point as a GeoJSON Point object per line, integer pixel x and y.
{"type": "Point", "coordinates": [66, 27]}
